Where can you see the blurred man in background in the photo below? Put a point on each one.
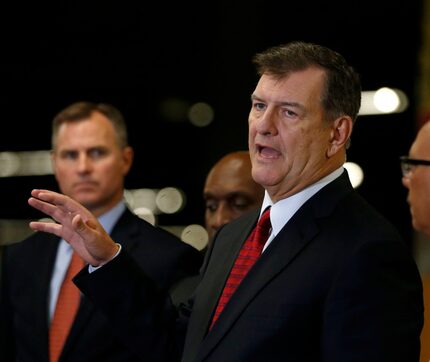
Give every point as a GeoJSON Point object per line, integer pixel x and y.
{"type": "Point", "coordinates": [230, 191]}
{"type": "Point", "coordinates": [416, 178]}
{"type": "Point", "coordinates": [91, 158]}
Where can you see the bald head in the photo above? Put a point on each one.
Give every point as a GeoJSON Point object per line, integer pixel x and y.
{"type": "Point", "coordinates": [230, 190]}
{"type": "Point", "coordinates": [417, 181]}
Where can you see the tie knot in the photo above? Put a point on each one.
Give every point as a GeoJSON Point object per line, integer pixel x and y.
{"type": "Point", "coordinates": [264, 224]}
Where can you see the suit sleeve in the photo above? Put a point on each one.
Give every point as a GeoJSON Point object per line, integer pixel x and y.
{"type": "Point", "coordinates": [142, 314]}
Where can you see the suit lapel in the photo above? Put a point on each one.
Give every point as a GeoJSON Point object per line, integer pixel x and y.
{"type": "Point", "coordinates": [225, 248]}
{"type": "Point", "coordinates": [279, 254]}
{"type": "Point", "coordinates": [43, 257]}
{"type": "Point", "coordinates": [232, 244]}
{"type": "Point", "coordinates": [38, 254]}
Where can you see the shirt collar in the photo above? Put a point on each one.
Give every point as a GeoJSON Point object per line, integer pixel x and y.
{"type": "Point", "coordinates": [282, 211]}
{"type": "Point", "coordinates": [109, 219]}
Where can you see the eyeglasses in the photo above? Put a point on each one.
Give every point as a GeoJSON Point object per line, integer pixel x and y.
{"type": "Point", "coordinates": [408, 164]}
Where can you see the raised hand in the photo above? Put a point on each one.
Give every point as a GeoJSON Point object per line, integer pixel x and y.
{"type": "Point", "coordinates": [75, 224]}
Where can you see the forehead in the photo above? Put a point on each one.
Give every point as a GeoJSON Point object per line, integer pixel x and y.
{"type": "Point", "coordinates": [231, 170]}
{"type": "Point", "coordinates": [222, 188]}
{"type": "Point", "coordinates": [298, 86]}
{"type": "Point", "coordinates": [421, 146]}
{"type": "Point", "coordinates": [95, 128]}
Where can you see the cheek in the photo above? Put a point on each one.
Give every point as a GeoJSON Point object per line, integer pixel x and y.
{"type": "Point", "coordinates": [251, 131]}
{"type": "Point", "coordinates": [425, 194]}
{"type": "Point", "coordinates": [419, 193]}
{"type": "Point", "coordinates": [62, 171]}
{"type": "Point", "coordinates": [113, 168]}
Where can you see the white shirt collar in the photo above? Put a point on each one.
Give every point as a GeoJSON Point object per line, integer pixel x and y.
{"type": "Point", "coordinates": [283, 210]}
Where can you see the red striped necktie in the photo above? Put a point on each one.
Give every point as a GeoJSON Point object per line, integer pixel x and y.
{"type": "Point", "coordinates": [248, 255]}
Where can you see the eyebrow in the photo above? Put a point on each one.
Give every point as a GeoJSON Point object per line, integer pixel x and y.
{"type": "Point", "coordinates": [289, 104]}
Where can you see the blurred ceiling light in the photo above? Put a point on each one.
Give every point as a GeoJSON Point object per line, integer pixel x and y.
{"type": "Point", "coordinates": [170, 200]}
{"type": "Point", "coordinates": [35, 163]}
{"type": "Point", "coordinates": [138, 198]}
{"type": "Point", "coordinates": [383, 101]}
{"type": "Point", "coordinates": [195, 235]}
{"type": "Point", "coordinates": [201, 114]}
{"type": "Point", "coordinates": [28, 163]}
{"type": "Point", "coordinates": [145, 214]}
{"type": "Point", "coordinates": [355, 173]}
{"type": "Point", "coordinates": [9, 164]}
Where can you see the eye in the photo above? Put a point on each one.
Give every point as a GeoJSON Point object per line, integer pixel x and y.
{"type": "Point", "coordinates": [259, 106]}
{"type": "Point", "coordinates": [240, 203]}
{"type": "Point", "coordinates": [211, 205]}
{"type": "Point", "coordinates": [290, 113]}
{"type": "Point", "coordinates": [97, 153]}
{"type": "Point", "coordinates": [69, 155]}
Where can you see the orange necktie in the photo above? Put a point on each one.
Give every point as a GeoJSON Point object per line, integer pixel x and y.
{"type": "Point", "coordinates": [248, 255]}
{"type": "Point", "coordinates": [65, 309]}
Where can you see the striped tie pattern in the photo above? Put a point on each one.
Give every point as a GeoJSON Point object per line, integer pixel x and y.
{"type": "Point", "coordinates": [248, 255]}
{"type": "Point", "coordinates": [65, 309]}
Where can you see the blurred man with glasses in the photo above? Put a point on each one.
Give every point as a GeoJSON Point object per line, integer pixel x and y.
{"type": "Point", "coordinates": [416, 178]}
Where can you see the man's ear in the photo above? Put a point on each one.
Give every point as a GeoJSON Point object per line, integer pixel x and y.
{"type": "Point", "coordinates": [341, 130]}
{"type": "Point", "coordinates": [128, 156]}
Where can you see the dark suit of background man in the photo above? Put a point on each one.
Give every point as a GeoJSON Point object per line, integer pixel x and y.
{"type": "Point", "coordinates": [91, 158]}
{"type": "Point", "coordinates": [335, 282]}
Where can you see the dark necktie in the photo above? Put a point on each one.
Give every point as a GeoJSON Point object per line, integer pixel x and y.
{"type": "Point", "coordinates": [248, 255]}
{"type": "Point", "coordinates": [65, 309]}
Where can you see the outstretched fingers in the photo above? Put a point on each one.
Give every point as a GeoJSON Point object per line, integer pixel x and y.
{"type": "Point", "coordinates": [47, 226]}
{"type": "Point", "coordinates": [53, 203]}
{"type": "Point", "coordinates": [75, 224]}
{"type": "Point", "coordinates": [49, 209]}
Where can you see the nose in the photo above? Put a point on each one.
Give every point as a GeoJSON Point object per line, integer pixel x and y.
{"type": "Point", "coordinates": [406, 181]}
{"type": "Point", "coordinates": [220, 217]}
{"type": "Point", "coordinates": [265, 124]}
{"type": "Point", "coordinates": [84, 163]}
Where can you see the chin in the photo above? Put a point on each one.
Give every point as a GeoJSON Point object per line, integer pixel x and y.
{"type": "Point", "coordinates": [86, 200]}
{"type": "Point", "coordinates": [418, 226]}
{"type": "Point", "coordinates": [264, 178]}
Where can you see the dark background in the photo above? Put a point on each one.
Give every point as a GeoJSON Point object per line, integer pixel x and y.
{"type": "Point", "coordinates": [137, 56]}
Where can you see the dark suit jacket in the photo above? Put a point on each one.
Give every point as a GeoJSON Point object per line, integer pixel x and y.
{"type": "Point", "coordinates": [337, 284]}
{"type": "Point", "coordinates": [27, 268]}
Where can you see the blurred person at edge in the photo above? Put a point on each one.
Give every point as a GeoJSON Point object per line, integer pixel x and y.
{"type": "Point", "coordinates": [91, 158]}
{"type": "Point", "coordinates": [230, 191]}
{"type": "Point", "coordinates": [334, 281]}
{"type": "Point", "coordinates": [416, 178]}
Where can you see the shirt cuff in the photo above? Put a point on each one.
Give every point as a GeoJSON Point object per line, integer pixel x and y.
{"type": "Point", "coordinates": [94, 268]}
